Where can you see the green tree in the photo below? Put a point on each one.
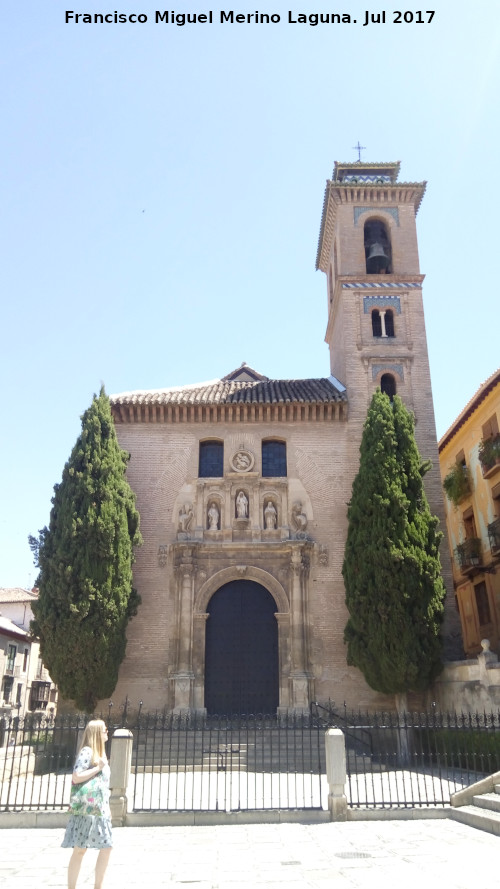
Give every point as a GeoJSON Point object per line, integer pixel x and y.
{"type": "Point", "coordinates": [85, 559]}
{"type": "Point", "coordinates": [392, 570]}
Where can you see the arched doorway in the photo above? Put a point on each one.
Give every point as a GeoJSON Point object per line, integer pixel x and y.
{"type": "Point", "coordinates": [241, 650]}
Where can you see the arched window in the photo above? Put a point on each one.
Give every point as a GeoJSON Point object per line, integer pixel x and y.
{"type": "Point", "coordinates": [389, 323]}
{"type": "Point", "coordinates": [376, 323]}
{"type": "Point", "coordinates": [211, 462]}
{"type": "Point", "coordinates": [388, 385]}
{"type": "Point", "coordinates": [273, 459]}
{"type": "Point", "coordinates": [378, 252]}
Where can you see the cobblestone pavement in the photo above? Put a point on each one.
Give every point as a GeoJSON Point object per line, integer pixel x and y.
{"type": "Point", "coordinates": [434, 854]}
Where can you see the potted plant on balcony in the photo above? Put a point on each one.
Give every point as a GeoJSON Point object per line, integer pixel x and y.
{"type": "Point", "coordinates": [457, 483]}
{"type": "Point", "coordinates": [489, 452]}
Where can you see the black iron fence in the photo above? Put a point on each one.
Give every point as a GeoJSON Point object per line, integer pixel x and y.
{"type": "Point", "coordinates": [190, 762]}
{"type": "Point", "coordinates": [228, 763]}
{"type": "Point", "coordinates": [36, 760]}
{"type": "Point", "coordinates": [413, 759]}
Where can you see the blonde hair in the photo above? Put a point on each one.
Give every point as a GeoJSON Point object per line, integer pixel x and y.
{"type": "Point", "coordinates": [93, 738]}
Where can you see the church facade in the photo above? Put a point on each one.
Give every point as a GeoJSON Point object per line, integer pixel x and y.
{"type": "Point", "coordinates": [242, 484]}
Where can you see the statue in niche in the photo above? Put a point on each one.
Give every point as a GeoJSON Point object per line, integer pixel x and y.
{"type": "Point", "coordinates": [299, 518]}
{"type": "Point", "coordinates": [242, 505]}
{"type": "Point", "coordinates": [186, 516]}
{"type": "Point", "coordinates": [213, 517]}
{"type": "Point", "coordinates": [270, 516]}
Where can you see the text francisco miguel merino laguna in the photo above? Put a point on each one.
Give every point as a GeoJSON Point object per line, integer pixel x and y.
{"type": "Point", "coordinates": [171, 17]}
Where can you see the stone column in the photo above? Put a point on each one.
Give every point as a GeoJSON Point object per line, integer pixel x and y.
{"type": "Point", "coordinates": [283, 620]}
{"type": "Point", "coordinates": [336, 774]}
{"type": "Point", "coordinates": [183, 677]}
{"type": "Point", "coordinates": [120, 761]}
{"type": "Point", "coordinates": [199, 635]}
{"type": "Point", "coordinates": [299, 676]}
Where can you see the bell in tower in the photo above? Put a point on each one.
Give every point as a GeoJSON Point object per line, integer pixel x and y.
{"type": "Point", "coordinates": [377, 248]}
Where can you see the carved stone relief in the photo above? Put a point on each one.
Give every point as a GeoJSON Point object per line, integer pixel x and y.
{"type": "Point", "coordinates": [242, 461]}
{"type": "Point", "coordinates": [186, 516]}
{"type": "Point", "coordinates": [299, 520]}
{"type": "Point", "coordinates": [323, 555]}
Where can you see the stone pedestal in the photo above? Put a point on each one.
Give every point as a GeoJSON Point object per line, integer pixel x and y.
{"type": "Point", "coordinates": [120, 763]}
{"type": "Point", "coordinates": [183, 682]}
{"type": "Point", "coordinates": [336, 774]}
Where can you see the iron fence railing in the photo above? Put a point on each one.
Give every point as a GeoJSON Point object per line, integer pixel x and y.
{"type": "Point", "coordinates": [469, 553]}
{"type": "Point", "coordinates": [37, 753]}
{"type": "Point", "coordinates": [494, 535]}
{"type": "Point", "coordinates": [36, 759]}
{"type": "Point", "coordinates": [192, 762]}
{"type": "Point", "coordinates": [413, 759]}
{"type": "Point", "coordinates": [228, 763]}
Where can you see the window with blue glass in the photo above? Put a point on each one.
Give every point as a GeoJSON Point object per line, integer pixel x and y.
{"type": "Point", "coordinates": [211, 464]}
{"type": "Point", "coordinates": [273, 458]}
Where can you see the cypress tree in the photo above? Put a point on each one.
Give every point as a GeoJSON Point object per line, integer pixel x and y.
{"type": "Point", "coordinates": [85, 559]}
{"type": "Point", "coordinates": [392, 570]}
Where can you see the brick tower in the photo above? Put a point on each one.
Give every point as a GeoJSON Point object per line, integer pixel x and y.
{"type": "Point", "coordinates": [368, 250]}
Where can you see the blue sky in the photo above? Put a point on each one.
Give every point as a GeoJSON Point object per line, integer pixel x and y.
{"type": "Point", "coordinates": [162, 190]}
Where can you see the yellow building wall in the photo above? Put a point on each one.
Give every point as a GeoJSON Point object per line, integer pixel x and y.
{"type": "Point", "coordinates": [475, 515]}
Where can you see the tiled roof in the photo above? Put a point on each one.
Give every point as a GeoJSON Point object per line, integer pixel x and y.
{"type": "Point", "coordinates": [343, 170]}
{"type": "Point", "coordinates": [16, 594]}
{"type": "Point", "coordinates": [484, 390]}
{"type": "Point", "coordinates": [7, 626]}
{"type": "Point", "coordinates": [309, 391]}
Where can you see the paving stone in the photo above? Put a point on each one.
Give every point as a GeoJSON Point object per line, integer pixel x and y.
{"type": "Point", "coordinates": [351, 855]}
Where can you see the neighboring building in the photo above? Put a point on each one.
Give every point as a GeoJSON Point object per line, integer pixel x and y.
{"type": "Point", "coordinates": [243, 483]}
{"type": "Point", "coordinates": [25, 684]}
{"type": "Point", "coordinates": [469, 454]}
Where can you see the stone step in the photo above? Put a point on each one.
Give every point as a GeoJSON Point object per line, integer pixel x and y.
{"type": "Point", "coordinates": [497, 788]}
{"type": "Point", "coordinates": [490, 801]}
{"type": "Point", "coordinates": [476, 817]}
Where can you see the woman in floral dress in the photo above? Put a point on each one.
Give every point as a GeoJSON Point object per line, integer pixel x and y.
{"type": "Point", "coordinates": [90, 831]}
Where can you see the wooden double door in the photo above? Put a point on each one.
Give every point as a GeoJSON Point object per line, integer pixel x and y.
{"type": "Point", "coordinates": [241, 651]}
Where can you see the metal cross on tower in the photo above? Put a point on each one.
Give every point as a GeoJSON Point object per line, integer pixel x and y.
{"type": "Point", "coordinates": [359, 148]}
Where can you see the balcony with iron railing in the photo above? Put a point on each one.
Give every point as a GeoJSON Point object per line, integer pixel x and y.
{"type": "Point", "coordinates": [489, 455]}
{"type": "Point", "coordinates": [494, 536]}
{"type": "Point", "coordinates": [458, 483]}
{"type": "Point", "coordinates": [469, 555]}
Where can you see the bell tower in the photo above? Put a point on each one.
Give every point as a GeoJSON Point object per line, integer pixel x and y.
{"type": "Point", "coordinates": [368, 251]}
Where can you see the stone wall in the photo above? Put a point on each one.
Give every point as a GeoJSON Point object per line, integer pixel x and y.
{"type": "Point", "coordinates": [470, 686]}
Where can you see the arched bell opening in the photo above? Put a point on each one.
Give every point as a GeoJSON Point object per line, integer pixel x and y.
{"type": "Point", "coordinates": [388, 385]}
{"type": "Point", "coordinates": [378, 252]}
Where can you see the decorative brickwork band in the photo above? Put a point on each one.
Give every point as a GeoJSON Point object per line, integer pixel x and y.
{"type": "Point", "coordinates": [381, 302]}
{"type": "Point", "coordinates": [391, 285]}
{"type": "Point", "coordinates": [358, 211]}
{"type": "Point", "coordinates": [387, 368]}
